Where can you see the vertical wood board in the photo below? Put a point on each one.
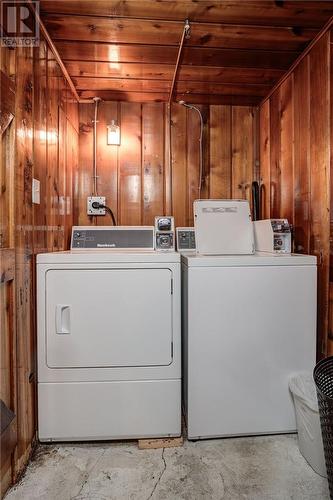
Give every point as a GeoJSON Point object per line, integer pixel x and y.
{"type": "Point", "coordinates": [220, 152]}
{"type": "Point", "coordinates": [152, 161]}
{"type": "Point", "coordinates": [302, 157]}
{"type": "Point", "coordinates": [242, 152]}
{"type": "Point", "coordinates": [130, 160]}
{"type": "Point", "coordinates": [265, 151]}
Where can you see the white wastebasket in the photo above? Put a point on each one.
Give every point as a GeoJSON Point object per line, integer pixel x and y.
{"type": "Point", "coordinates": [310, 440]}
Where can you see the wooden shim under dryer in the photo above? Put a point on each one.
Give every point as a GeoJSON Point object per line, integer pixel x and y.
{"type": "Point", "coordinates": [152, 444]}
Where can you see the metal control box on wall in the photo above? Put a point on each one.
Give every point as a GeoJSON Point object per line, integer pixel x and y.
{"type": "Point", "coordinates": [164, 233]}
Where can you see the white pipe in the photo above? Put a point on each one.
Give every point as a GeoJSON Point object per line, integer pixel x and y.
{"type": "Point", "coordinates": [190, 106]}
{"type": "Point", "coordinates": [95, 176]}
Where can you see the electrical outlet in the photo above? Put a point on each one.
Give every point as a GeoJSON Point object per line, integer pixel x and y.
{"type": "Point", "coordinates": [95, 211]}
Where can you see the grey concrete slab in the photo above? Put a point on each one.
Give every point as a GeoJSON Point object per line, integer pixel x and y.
{"type": "Point", "coordinates": [254, 468]}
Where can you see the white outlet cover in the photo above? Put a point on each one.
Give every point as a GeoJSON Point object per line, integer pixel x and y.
{"type": "Point", "coordinates": [95, 211]}
{"type": "Point", "coordinates": [36, 191]}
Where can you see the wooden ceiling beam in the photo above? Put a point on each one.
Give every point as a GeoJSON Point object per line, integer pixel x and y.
{"type": "Point", "coordinates": [141, 85]}
{"type": "Point", "coordinates": [288, 13]}
{"type": "Point", "coordinates": [154, 54]}
{"type": "Point", "coordinates": [127, 21]}
{"type": "Point", "coordinates": [164, 72]}
{"type": "Point", "coordinates": [96, 29]}
{"type": "Point", "coordinates": [240, 100]}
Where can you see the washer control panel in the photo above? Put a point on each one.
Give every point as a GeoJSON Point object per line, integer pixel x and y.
{"type": "Point", "coordinates": [272, 235]}
{"type": "Point", "coordinates": [164, 233]}
{"type": "Point", "coordinates": [185, 239]}
{"type": "Point", "coordinates": [281, 235]}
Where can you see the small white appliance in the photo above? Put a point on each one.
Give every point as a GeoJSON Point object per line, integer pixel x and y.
{"type": "Point", "coordinates": [185, 237]}
{"type": "Point", "coordinates": [272, 235]}
{"type": "Point", "coordinates": [109, 343]}
{"type": "Point", "coordinates": [165, 233]}
{"type": "Point", "coordinates": [223, 227]}
{"type": "Point", "coordinates": [249, 324]}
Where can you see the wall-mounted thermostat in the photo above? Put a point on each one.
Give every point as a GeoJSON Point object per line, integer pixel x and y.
{"type": "Point", "coordinates": [164, 233]}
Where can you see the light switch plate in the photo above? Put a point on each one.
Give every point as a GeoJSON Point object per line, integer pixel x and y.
{"type": "Point", "coordinates": [36, 191]}
{"type": "Point", "coordinates": [95, 211]}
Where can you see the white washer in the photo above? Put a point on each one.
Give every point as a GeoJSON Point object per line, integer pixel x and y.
{"type": "Point", "coordinates": [109, 344]}
{"type": "Point", "coordinates": [249, 323]}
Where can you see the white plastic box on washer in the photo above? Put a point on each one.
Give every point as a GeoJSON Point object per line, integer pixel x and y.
{"type": "Point", "coordinates": [223, 227]}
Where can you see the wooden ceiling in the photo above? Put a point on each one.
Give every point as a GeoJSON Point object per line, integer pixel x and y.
{"type": "Point", "coordinates": [127, 50]}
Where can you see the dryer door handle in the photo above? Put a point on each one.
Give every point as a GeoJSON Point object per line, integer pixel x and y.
{"type": "Point", "coordinates": [62, 319]}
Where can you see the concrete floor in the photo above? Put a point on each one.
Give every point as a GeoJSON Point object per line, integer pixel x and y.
{"type": "Point", "coordinates": [268, 468]}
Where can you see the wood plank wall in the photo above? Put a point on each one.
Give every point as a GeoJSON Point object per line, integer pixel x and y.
{"type": "Point", "coordinates": [295, 151]}
{"type": "Point", "coordinates": [8, 379]}
{"type": "Point", "coordinates": [44, 136]}
{"type": "Point", "coordinates": [136, 177]}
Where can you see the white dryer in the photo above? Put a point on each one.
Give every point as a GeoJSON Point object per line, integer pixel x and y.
{"type": "Point", "coordinates": [109, 342]}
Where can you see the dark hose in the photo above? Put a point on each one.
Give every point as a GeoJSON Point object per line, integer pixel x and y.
{"type": "Point", "coordinates": [255, 200]}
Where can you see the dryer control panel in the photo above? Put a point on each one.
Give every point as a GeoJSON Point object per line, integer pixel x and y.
{"type": "Point", "coordinates": [165, 233]}
{"type": "Point", "coordinates": [112, 237]}
{"type": "Point", "coordinates": [185, 239]}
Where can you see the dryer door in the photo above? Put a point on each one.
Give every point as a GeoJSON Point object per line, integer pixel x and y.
{"type": "Point", "coordinates": [108, 317]}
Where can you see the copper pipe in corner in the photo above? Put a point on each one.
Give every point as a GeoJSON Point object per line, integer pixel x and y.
{"type": "Point", "coordinates": [186, 34]}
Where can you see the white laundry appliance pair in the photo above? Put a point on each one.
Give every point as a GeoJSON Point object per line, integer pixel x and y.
{"type": "Point", "coordinates": [109, 332]}
{"type": "Point", "coordinates": [109, 338]}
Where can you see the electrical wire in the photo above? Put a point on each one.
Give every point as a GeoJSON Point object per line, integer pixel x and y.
{"type": "Point", "coordinates": [96, 205]}
{"type": "Point", "coordinates": [109, 211]}
{"type": "Point", "coordinates": [190, 106]}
